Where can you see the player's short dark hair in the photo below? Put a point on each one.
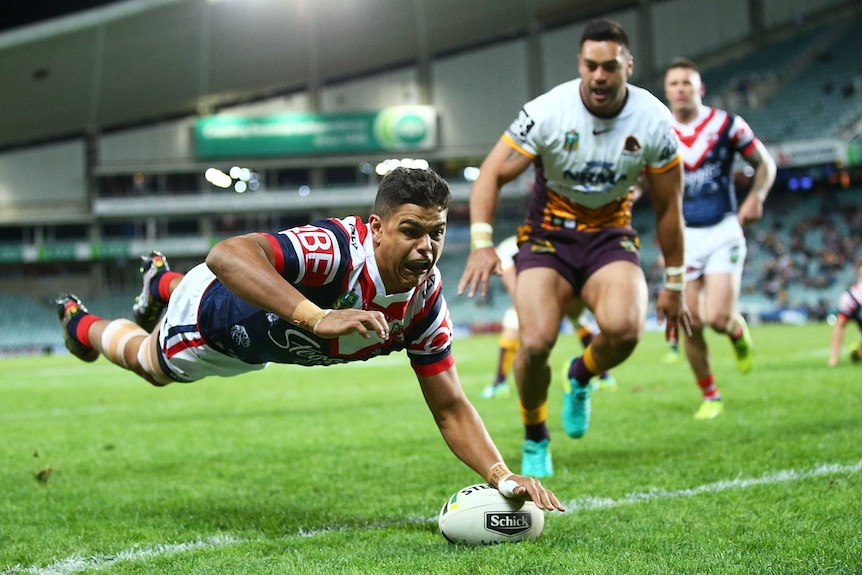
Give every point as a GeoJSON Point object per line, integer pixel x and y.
{"type": "Point", "coordinates": [424, 188]}
{"type": "Point", "coordinates": [682, 63]}
{"type": "Point", "coordinates": [605, 30]}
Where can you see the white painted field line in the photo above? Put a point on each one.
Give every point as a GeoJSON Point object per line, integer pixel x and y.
{"type": "Point", "coordinates": [588, 503]}
{"type": "Point", "coordinates": [98, 562]}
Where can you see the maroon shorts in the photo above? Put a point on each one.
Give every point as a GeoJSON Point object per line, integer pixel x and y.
{"type": "Point", "coordinates": [576, 255]}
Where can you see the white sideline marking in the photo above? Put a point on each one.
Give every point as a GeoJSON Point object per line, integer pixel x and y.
{"type": "Point", "coordinates": [99, 562]}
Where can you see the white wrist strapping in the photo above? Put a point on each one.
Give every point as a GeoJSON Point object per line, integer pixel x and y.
{"type": "Point", "coordinates": [507, 486]}
{"type": "Point", "coordinates": [481, 235]}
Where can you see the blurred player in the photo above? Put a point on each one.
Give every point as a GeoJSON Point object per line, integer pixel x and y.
{"type": "Point", "coordinates": [509, 342]}
{"type": "Point", "coordinates": [588, 140]}
{"type": "Point", "coordinates": [715, 246]}
{"type": "Point", "coordinates": [331, 292]}
{"type": "Point", "coordinates": [849, 308]}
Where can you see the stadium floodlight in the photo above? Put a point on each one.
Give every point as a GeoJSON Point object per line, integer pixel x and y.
{"type": "Point", "coordinates": [218, 178]}
{"type": "Point", "coordinates": [471, 173]}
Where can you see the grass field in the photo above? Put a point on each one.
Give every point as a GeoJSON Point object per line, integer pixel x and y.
{"type": "Point", "coordinates": [341, 469]}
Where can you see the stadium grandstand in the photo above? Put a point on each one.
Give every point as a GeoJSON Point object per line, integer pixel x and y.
{"type": "Point", "coordinates": [170, 124]}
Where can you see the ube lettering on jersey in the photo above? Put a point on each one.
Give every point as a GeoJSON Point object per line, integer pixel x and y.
{"type": "Point", "coordinates": [332, 263]}
{"type": "Point", "coordinates": [708, 145]}
{"type": "Point", "coordinates": [586, 165]}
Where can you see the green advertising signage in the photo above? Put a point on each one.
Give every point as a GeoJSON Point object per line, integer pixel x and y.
{"type": "Point", "coordinates": [399, 128]}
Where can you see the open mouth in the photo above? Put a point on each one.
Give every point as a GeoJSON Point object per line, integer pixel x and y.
{"type": "Point", "coordinates": [419, 267]}
{"type": "Point", "coordinates": [599, 94]}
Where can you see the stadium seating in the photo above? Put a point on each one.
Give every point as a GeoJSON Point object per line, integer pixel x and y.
{"type": "Point", "coordinates": [799, 88]}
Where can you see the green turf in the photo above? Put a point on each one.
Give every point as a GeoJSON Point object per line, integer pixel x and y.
{"type": "Point", "coordinates": [341, 469]}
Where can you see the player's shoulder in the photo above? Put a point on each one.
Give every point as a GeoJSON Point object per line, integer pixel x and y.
{"type": "Point", "coordinates": [641, 99]}
{"type": "Point", "coordinates": [560, 93]}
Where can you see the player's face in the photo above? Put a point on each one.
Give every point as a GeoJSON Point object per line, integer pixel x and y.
{"type": "Point", "coordinates": [605, 68]}
{"type": "Point", "coordinates": [407, 244]}
{"type": "Point", "coordinates": [683, 90]}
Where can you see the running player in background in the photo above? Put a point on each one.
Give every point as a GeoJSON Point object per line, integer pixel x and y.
{"type": "Point", "coordinates": [849, 308]}
{"type": "Point", "coordinates": [715, 246]}
{"type": "Point", "coordinates": [588, 139]}
{"type": "Point", "coordinates": [509, 342]}
{"type": "Point", "coordinates": [331, 292]}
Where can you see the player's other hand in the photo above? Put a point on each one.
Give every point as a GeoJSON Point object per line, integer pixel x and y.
{"type": "Point", "coordinates": [672, 309]}
{"type": "Point", "coordinates": [481, 263]}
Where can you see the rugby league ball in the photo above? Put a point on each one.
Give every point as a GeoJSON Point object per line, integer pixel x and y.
{"type": "Point", "coordinates": [479, 515]}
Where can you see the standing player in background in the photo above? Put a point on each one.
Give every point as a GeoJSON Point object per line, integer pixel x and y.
{"type": "Point", "coordinates": [334, 291]}
{"type": "Point", "coordinates": [714, 241]}
{"type": "Point", "coordinates": [588, 139]}
{"type": "Point", "coordinates": [849, 308]}
{"type": "Point", "coordinates": [509, 342]}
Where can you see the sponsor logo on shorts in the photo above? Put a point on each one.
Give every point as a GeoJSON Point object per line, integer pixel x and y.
{"type": "Point", "coordinates": [542, 247]}
{"type": "Point", "coordinates": [630, 246]}
{"type": "Point", "coordinates": [734, 254]}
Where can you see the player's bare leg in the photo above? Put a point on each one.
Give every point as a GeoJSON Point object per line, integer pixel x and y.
{"type": "Point", "coordinates": [541, 298]}
{"type": "Point", "coordinates": [722, 295]}
{"type": "Point", "coordinates": [697, 351]}
{"type": "Point", "coordinates": [621, 327]}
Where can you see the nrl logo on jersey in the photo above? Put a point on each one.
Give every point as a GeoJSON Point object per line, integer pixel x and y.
{"type": "Point", "coordinates": [346, 300]}
{"type": "Point", "coordinates": [571, 141]}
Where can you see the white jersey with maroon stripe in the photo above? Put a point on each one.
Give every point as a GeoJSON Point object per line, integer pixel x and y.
{"type": "Point", "coordinates": [585, 165]}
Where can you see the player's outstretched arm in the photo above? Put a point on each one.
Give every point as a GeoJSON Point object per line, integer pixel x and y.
{"type": "Point", "coordinates": [467, 437]}
{"type": "Point", "coordinates": [246, 266]}
{"type": "Point", "coordinates": [502, 165]}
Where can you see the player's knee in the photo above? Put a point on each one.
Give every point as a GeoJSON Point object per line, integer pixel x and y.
{"type": "Point", "coordinates": [148, 361]}
{"type": "Point", "coordinates": [120, 342]}
{"type": "Point", "coordinates": [537, 346]}
{"type": "Point", "coordinates": [628, 340]}
{"type": "Point", "coordinates": [623, 338]}
{"type": "Point", "coordinates": [720, 322]}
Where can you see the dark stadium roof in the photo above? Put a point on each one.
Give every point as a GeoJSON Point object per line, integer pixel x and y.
{"type": "Point", "coordinates": [14, 14]}
{"type": "Point", "coordinates": [75, 67]}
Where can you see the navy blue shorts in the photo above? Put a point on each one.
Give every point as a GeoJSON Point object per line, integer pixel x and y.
{"type": "Point", "coordinates": [576, 255]}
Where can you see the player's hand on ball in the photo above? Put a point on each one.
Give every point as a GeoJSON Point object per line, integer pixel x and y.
{"type": "Point", "coordinates": [523, 487]}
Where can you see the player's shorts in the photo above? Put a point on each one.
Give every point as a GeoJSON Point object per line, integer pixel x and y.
{"type": "Point", "coordinates": [715, 249]}
{"type": "Point", "coordinates": [184, 355]}
{"type": "Point", "coordinates": [576, 255]}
